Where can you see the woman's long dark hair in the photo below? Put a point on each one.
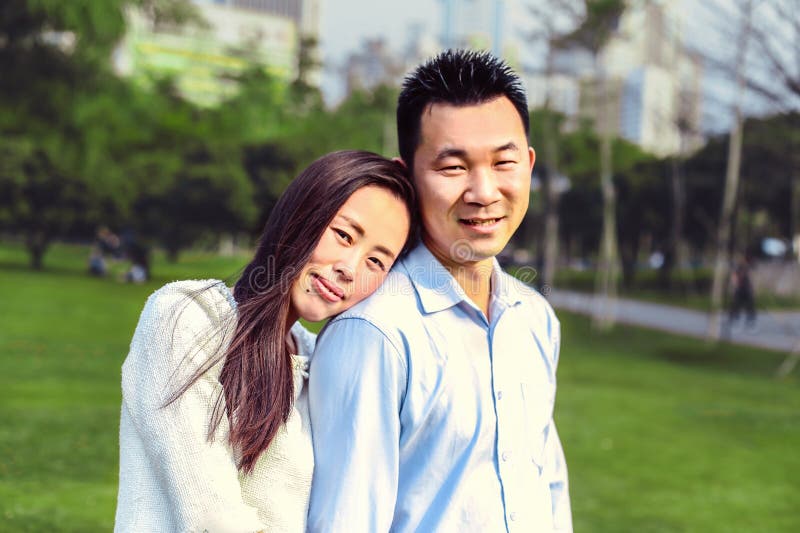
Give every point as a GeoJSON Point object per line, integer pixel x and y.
{"type": "Point", "coordinates": [256, 377]}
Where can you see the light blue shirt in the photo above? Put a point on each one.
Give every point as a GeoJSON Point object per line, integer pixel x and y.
{"type": "Point", "coordinates": [426, 416]}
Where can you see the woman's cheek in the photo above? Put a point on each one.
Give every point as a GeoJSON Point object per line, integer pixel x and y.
{"type": "Point", "coordinates": [367, 284]}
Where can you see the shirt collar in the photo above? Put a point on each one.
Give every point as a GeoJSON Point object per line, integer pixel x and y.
{"type": "Point", "coordinates": [437, 288]}
{"type": "Point", "coordinates": [505, 288]}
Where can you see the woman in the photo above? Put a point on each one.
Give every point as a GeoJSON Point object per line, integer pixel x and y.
{"type": "Point", "coordinates": [214, 431]}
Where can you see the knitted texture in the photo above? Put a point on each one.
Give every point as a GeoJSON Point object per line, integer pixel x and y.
{"type": "Point", "coordinates": [171, 477]}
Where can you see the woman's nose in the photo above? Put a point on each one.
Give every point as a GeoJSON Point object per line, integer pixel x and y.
{"type": "Point", "coordinates": [346, 268]}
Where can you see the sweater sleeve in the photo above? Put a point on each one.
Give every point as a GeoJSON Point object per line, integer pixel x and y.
{"type": "Point", "coordinates": [178, 331]}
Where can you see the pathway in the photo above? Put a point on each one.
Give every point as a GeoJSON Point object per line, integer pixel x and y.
{"type": "Point", "coordinates": [774, 330]}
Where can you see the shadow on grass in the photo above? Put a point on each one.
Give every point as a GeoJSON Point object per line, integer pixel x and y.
{"type": "Point", "coordinates": [24, 268]}
{"type": "Point", "coordinates": [158, 279]}
{"type": "Point", "coordinates": [723, 358]}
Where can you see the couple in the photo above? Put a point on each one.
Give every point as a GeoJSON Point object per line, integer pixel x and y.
{"type": "Point", "coordinates": [430, 403]}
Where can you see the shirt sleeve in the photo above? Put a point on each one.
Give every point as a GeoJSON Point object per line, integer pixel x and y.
{"type": "Point", "coordinates": [356, 390]}
{"type": "Point", "coordinates": [555, 465]}
{"type": "Point", "coordinates": [199, 477]}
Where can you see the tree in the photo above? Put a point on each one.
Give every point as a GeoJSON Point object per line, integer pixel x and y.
{"type": "Point", "coordinates": [37, 200]}
{"type": "Point", "coordinates": [306, 96]}
{"type": "Point", "coordinates": [549, 34]}
{"type": "Point", "coordinates": [58, 94]}
{"type": "Point", "coordinates": [721, 263]}
{"type": "Point", "coordinates": [639, 179]}
{"type": "Point", "coordinates": [598, 26]}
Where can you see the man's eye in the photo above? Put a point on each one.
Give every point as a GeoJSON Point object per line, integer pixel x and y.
{"type": "Point", "coordinates": [377, 262]}
{"type": "Point", "coordinates": [344, 235]}
{"type": "Point", "coordinates": [506, 163]}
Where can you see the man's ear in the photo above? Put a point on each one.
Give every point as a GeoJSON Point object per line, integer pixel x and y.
{"type": "Point", "coordinates": [532, 156]}
{"type": "Point", "coordinates": [400, 162]}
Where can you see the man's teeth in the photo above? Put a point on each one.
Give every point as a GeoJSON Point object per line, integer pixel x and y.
{"type": "Point", "coordinates": [479, 222]}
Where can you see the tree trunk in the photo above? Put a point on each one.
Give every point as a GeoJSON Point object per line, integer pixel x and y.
{"type": "Point", "coordinates": [608, 268]}
{"type": "Point", "coordinates": [795, 214]}
{"type": "Point", "coordinates": [550, 193]}
{"type": "Point", "coordinates": [550, 252]}
{"type": "Point", "coordinates": [676, 252]}
{"type": "Point", "coordinates": [37, 244]}
{"type": "Point", "coordinates": [628, 256]}
{"type": "Point", "coordinates": [172, 254]}
{"type": "Point", "coordinates": [721, 263]}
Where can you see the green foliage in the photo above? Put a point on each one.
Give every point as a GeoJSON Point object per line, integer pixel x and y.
{"type": "Point", "coordinates": [638, 177]}
{"type": "Point", "coordinates": [105, 148]}
{"type": "Point", "coordinates": [770, 163]}
{"type": "Point", "coordinates": [600, 20]}
{"type": "Point", "coordinates": [84, 148]}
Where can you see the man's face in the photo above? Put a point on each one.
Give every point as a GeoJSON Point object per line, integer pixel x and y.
{"type": "Point", "coordinates": [472, 170]}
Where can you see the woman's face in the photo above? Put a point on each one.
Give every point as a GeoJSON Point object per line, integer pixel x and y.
{"type": "Point", "coordinates": [353, 256]}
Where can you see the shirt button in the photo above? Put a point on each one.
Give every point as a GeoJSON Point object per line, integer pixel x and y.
{"type": "Point", "coordinates": [512, 516]}
{"type": "Point", "coordinates": [499, 395]}
{"type": "Point", "coordinates": [505, 456]}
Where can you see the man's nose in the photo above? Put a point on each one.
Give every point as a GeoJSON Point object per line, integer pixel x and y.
{"type": "Point", "coordinates": [482, 187]}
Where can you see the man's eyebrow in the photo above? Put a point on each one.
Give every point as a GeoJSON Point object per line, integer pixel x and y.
{"type": "Point", "coordinates": [450, 152]}
{"type": "Point", "coordinates": [462, 154]}
{"type": "Point", "coordinates": [511, 145]}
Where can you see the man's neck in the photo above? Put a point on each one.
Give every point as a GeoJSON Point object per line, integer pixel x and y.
{"type": "Point", "coordinates": [474, 277]}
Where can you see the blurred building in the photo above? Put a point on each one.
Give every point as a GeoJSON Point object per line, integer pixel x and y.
{"type": "Point", "coordinates": [478, 24]}
{"type": "Point", "coordinates": [204, 58]}
{"type": "Point", "coordinates": [377, 64]}
{"type": "Point", "coordinates": [653, 84]}
{"type": "Point", "coordinates": [304, 13]}
{"type": "Point", "coordinates": [494, 25]}
{"type": "Point", "coordinates": [372, 66]}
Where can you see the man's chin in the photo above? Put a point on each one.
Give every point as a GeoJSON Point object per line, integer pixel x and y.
{"type": "Point", "coordinates": [480, 254]}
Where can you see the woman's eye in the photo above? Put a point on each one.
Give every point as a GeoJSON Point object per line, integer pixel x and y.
{"type": "Point", "coordinates": [377, 262]}
{"type": "Point", "coordinates": [343, 235]}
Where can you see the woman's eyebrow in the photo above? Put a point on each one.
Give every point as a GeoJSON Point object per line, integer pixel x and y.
{"type": "Point", "coordinates": [385, 251]}
{"type": "Point", "coordinates": [356, 226]}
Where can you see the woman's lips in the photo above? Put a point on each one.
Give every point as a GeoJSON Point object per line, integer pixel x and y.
{"type": "Point", "coordinates": [326, 289]}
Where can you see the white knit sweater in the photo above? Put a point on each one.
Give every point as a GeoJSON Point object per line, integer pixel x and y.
{"type": "Point", "coordinates": [170, 477]}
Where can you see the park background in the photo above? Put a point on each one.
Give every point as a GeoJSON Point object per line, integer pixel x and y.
{"type": "Point", "coordinates": [668, 142]}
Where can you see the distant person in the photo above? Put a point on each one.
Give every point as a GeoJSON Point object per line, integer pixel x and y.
{"type": "Point", "coordinates": [106, 243]}
{"type": "Point", "coordinates": [109, 243]}
{"type": "Point", "coordinates": [214, 431]}
{"type": "Point", "coordinates": [97, 263]}
{"type": "Point", "coordinates": [432, 401]}
{"type": "Point", "coordinates": [742, 293]}
{"type": "Point", "coordinates": [139, 256]}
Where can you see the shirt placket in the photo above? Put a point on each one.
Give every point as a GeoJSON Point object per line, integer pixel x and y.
{"type": "Point", "coordinates": [506, 406]}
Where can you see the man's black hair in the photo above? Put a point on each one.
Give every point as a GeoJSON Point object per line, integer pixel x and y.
{"type": "Point", "coordinates": [459, 78]}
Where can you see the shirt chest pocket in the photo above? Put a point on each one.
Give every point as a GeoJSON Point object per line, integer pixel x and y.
{"type": "Point", "coordinates": [537, 410]}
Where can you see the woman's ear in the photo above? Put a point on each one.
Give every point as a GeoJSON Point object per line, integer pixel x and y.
{"type": "Point", "coordinates": [399, 161]}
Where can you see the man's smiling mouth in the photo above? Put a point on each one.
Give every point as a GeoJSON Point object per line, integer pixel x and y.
{"type": "Point", "coordinates": [478, 222]}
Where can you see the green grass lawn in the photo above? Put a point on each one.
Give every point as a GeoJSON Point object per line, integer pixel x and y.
{"type": "Point", "coordinates": [661, 433]}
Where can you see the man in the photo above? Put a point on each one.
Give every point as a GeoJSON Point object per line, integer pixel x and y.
{"type": "Point", "coordinates": [431, 402]}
